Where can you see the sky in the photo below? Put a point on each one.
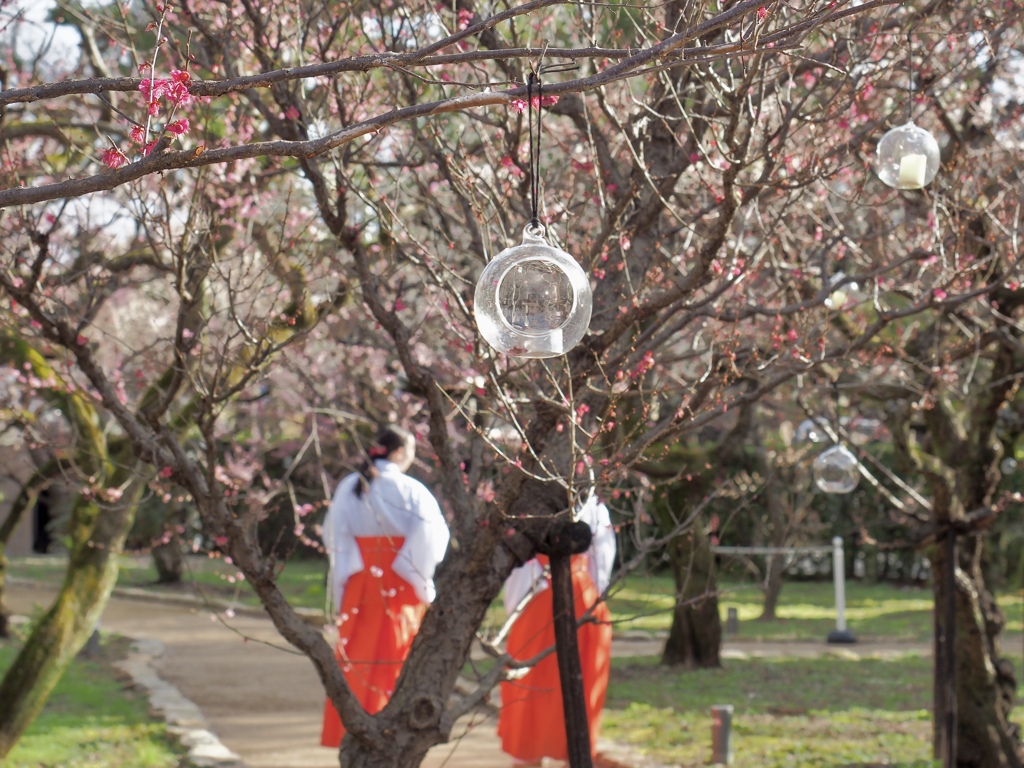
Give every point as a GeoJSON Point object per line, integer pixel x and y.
{"type": "Point", "coordinates": [25, 29]}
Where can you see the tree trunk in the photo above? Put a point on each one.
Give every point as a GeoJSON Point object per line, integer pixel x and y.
{"type": "Point", "coordinates": [419, 715]}
{"type": "Point", "coordinates": [97, 536]}
{"type": "Point", "coordinates": [169, 562]}
{"type": "Point", "coordinates": [25, 500]}
{"type": "Point", "coordinates": [695, 638]}
{"type": "Point", "coordinates": [985, 683]}
{"type": "Point", "coordinates": [415, 719]}
{"type": "Point", "coordinates": [772, 588]}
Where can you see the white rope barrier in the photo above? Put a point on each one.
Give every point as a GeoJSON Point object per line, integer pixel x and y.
{"type": "Point", "coordinates": [841, 634]}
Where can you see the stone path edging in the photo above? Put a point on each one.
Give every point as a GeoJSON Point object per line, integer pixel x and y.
{"type": "Point", "coordinates": [256, 739]}
{"type": "Point", "coordinates": [184, 719]}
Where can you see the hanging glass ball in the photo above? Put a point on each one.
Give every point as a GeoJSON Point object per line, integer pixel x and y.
{"type": "Point", "coordinates": [1008, 465]}
{"type": "Point", "coordinates": [53, 429]}
{"type": "Point", "coordinates": [836, 470]}
{"type": "Point", "coordinates": [908, 157]}
{"type": "Point", "coordinates": [810, 430]}
{"type": "Point", "coordinates": [533, 300]}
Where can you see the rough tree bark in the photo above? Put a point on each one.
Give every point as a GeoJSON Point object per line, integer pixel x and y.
{"type": "Point", "coordinates": [99, 524]}
{"type": "Point", "coordinates": [786, 500]}
{"type": "Point", "coordinates": [772, 587]}
{"type": "Point", "coordinates": [97, 534]}
{"type": "Point", "coordinates": [25, 500]}
{"type": "Point", "coordinates": [985, 682]}
{"type": "Point", "coordinates": [416, 718]}
{"type": "Point", "coordinates": [958, 455]}
{"type": "Point", "coordinates": [695, 638]}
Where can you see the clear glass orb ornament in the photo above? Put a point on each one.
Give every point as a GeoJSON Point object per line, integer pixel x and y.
{"type": "Point", "coordinates": [533, 300]}
{"type": "Point", "coordinates": [836, 470]}
{"type": "Point", "coordinates": [908, 157]}
{"type": "Point", "coordinates": [1008, 465]}
{"type": "Point", "coordinates": [811, 431]}
{"type": "Point", "coordinates": [53, 429]}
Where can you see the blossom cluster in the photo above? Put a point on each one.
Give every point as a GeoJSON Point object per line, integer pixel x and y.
{"type": "Point", "coordinates": [173, 89]}
{"type": "Point", "coordinates": [519, 105]}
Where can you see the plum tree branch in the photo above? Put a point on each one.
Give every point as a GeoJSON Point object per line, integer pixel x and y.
{"type": "Point", "coordinates": [631, 59]}
{"type": "Point", "coordinates": [632, 65]}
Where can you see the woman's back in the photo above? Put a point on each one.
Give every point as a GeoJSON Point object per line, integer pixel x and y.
{"type": "Point", "coordinates": [392, 505]}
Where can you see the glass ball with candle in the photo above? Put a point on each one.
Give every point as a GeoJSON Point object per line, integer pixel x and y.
{"type": "Point", "coordinates": [533, 300]}
{"type": "Point", "coordinates": [908, 157]}
{"type": "Point", "coordinates": [837, 470]}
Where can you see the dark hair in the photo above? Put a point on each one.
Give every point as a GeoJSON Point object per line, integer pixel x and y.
{"type": "Point", "coordinates": [389, 439]}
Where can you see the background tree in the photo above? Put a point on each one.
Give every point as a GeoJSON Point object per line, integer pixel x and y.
{"type": "Point", "coordinates": [342, 176]}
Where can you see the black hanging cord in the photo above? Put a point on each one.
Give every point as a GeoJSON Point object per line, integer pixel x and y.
{"type": "Point", "coordinates": [532, 82]}
{"type": "Point", "coordinates": [910, 77]}
{"type": "Point", "coordinates": [835, 410]}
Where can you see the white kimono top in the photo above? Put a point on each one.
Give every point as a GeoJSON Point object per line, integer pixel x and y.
{"type": "Point", "coordinates": [600, 558]}
{"type": "Point", "coordinates": [394, 505]}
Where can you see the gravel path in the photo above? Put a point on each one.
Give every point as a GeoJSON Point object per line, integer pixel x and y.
{"type": "Point", "coordinates": [263, 701]}
{"type": "Point", "coordinates": [241, 696]}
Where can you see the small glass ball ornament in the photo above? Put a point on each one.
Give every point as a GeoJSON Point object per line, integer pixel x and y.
{"type": "Point", "coordinates": [836, 470]}
{"type": "Point", "coordinates": [810, 431]}
{"type": "Point", "coordinates": [908, 157]}
{"type": "Point", "coordinates": [533, 300]}
{"type": "Point", "coordinates": [1008, 465]}
{"type": "Point", "coordinates": [54, 430]}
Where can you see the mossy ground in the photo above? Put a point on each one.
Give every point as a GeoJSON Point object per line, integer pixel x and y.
{"type": "Point", "coordinates": [788, 712]}
{"type": "Point", "coordinates": [93, 720]}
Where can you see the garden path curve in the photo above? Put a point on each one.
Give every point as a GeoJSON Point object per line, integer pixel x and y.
{"type": "Point", "coordinates": [260, 698]}
{"type": "Point", "coordinates": [263, 701]}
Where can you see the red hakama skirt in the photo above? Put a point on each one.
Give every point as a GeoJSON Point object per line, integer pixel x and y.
{"type": "Point", "coordinates": [531, 723]}
{"type": "Point", "coordinates": [379, 617]}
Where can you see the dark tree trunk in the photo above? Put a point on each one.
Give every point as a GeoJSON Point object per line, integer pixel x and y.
{"type": "Point", "coordinates": [772, 588]}
{"type": "Point", "coordinates": [169, 562]}
{"type": "Point", "coordinates": [958, 454]}
{"type": "Point", "coordinates": [985, 683]}
{"type": "Point", "coordinates": [695, 638]}
{"type": "Point", "coordinates": [418, 716]}
{"type": "Point", "coordinates": [25, 500]}
{"type": "Point", "coordinates": [97, 536]}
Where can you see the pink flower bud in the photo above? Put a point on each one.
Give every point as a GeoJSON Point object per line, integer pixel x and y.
{"type": "Point", "coordinates": [114, 158]}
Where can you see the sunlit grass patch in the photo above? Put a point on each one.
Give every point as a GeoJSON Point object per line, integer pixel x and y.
{"type": "Point", "coordinates": [788, 712]}
{"type": "Point", "coordinates": [92, 721]}
{"type": "Point", "coordinates": [806, 610]}
{"type": "Point", "coordinates": [302, 581]}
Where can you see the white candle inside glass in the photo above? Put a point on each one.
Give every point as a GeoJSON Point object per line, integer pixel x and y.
{"type": "Point", "coordinates": [837, 300]}
{"type": "Point", "coordinates": [912, 171]}
{"type": "Point", "coordinates": [548, 342]}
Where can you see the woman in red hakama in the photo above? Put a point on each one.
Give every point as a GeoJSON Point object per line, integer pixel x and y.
{"type": "Point", "coordinates": [531, 724]}
{"type": "Point", "coordinates": [385, 535]}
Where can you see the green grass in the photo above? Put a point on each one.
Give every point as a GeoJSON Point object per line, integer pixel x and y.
{"type": "Point", "coordinates": [91, 721]}
{"type": "Point", "coordinates": [792, 712]}
{"type": "Point", "coordinates": [880, 612]}
{"type": "Point", "coordinates": [788, 712]}
{"type": "Point", "coordinates": [302, 581]}
{"type": "Point", "coordinates": [806, 610]}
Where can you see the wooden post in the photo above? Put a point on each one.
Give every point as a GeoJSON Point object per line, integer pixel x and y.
{"type": "Point", "coordinates": [565, 540]}
{"type": "Point", "coordinates": [945, 718]}
{"type": "Point", "coordinates": [949, 714]}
